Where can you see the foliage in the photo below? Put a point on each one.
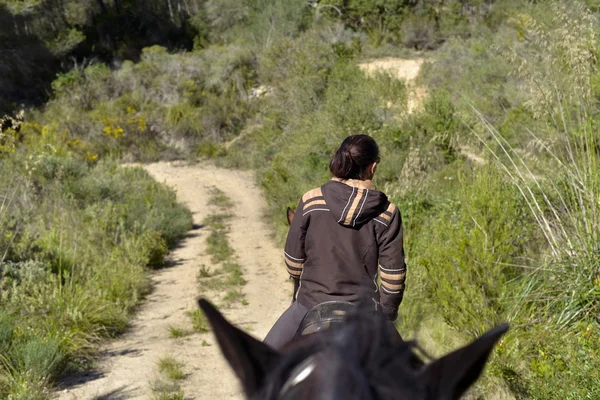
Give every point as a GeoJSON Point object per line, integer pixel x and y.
{"type": "Point", "coordinates": [45, 35]}
{"type": "Point", "coordinates": [542, 142]}
{"type": "Point", "coordinates": [78, 236]}
{"type": "Point", "coordinates": [167, 386]}
{"type": "Point", "coordinates": [199, 321]}
{"type": "Point", "coordinates": [421, 25]}
{"type": "Point", "coordinates": [495, 176]}
{"type": "Point", "coordinates": [163, 107]}
{"type": "Point", "coordinates": [471, 249]}
{"type": "Point", "coordinates": [171, 368]}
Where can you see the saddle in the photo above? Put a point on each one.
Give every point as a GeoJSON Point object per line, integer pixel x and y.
{"type": "Point", "coordinates": [323, 315]}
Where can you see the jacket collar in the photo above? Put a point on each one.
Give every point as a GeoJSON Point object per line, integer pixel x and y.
{"type": "Point", "coordinates": [357, 183]}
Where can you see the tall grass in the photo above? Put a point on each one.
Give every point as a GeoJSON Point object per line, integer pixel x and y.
{"type": "Point", "coordinates": [554, 301]}
{"type": "Point", "coordinates": [564, 203]}
{"type": "Point", "coordinates": [557, 296]}
{"type": "Point", "coordinates": [565, 207]}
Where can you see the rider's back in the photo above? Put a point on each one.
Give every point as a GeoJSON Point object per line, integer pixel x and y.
{"type": "Point", "coordinates": [341, 232]}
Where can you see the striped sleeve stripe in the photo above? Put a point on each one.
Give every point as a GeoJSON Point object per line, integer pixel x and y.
{"type": "Point", "coordinates": [381, 222]}
{"type": "Point", "coordinates": [392, 286]}
{"type": "Point", "coordinates": [401, 274]}
{"type": "Point", "coordinates": [294, 265]}
{"type": "Point", "coordinates": [293, 270]}
{"type": "Point", "coordinates": [294, 258]}
{"type": "Point", "coordinates": [392, 270]}
{"type": "Point", "coordinates": [392, 279]}
{"type": "Point", "coordinates": [390, 291]}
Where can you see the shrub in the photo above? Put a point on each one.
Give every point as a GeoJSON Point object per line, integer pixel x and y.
{"type": "Point", "coordinates": [77, 240]}
{"type": "Point", "coordinates": [469, 249]}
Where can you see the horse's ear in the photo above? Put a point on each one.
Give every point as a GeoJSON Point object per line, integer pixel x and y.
{"type": "Point", "coordinates": [250, 359]}
{"type": "Point", "coordinates": [290, 215]}
{"type": "Point", "coordinates": [450, 376]}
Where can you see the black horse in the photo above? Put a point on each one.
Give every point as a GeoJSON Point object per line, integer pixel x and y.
{"type": "Point", "coordinates": [357, 359]}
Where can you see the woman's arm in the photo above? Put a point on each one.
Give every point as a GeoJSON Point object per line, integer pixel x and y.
{"type": "Point", "coordinates": [392, 268]}
{"type": "Point", "coordinates": [294, 245]}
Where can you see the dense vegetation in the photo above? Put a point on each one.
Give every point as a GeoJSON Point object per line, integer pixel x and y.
{"type": "Point", "coordinates": [496, 174]}
{"type": "Point", "coordinates": [77, 239]}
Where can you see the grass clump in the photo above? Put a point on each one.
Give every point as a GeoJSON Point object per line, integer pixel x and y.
{"type": "Point", "coordinates": [170, 368]}
{"type": "Point", "coordinates": [235, 277]}
{"type": "Point", "coordinates": [167, 391]}
{"type": "Point", "coordinates": [206, 272]}
{"type": "Point", "coordinates": [176, 332]}
{"type": "Point", "coordinates": [217, 244]}
{"type": "Point", "coordinates": [167, 386]}
{"type": "Point", "coordinates": [219, 199]}
{"type": "Point", "coordinates": [233, 296]}
{"type": "Point", "coordinates": [164, 389]}
{"type": "Point", "coordinates": [199, 321]}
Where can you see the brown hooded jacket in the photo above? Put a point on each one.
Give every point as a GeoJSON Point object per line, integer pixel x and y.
{"type": "Point", "coordinates": [344, 236]}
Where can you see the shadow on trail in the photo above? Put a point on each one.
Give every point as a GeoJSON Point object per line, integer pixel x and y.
{"type": "Point", "coordinates": [192, 233]}
{"type": "Point", "coordinates": [80, 378]}
{"type": "Point", "coordinates": [121, 393]}
{"type": "Point", "coordinates": [84, 377]}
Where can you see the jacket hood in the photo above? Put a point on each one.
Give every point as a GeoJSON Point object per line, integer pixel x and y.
{"type": "Point", "coordinates": [352, 202]}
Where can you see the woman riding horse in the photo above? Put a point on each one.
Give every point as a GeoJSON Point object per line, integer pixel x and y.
{"type": "Point", "coordinates": [344, 235]}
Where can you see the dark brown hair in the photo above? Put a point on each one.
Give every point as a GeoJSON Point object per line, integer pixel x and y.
{"type": "Point", "coordinates": [355, 155]}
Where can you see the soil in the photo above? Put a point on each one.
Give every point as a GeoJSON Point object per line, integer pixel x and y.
{"type": "Point", "coordinates": [127, 368]}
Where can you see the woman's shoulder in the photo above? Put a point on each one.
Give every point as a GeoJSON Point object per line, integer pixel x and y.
{"type": "Point", "coordinates": [312, 194]}
{"type": "Point", "coordinates": [388, 214]}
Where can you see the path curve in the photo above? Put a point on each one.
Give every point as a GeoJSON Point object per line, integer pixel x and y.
{"type": "Point", "coordinates": [128, 365]}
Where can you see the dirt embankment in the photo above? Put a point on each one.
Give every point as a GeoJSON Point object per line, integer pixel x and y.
{"type": "Point", "coordinates": [404, 69]}
{"type": "Point", "coordinates": [408, 71]}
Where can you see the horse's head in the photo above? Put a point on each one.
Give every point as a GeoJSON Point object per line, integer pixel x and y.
{"type": "Point", "coordinates": [355, 361]}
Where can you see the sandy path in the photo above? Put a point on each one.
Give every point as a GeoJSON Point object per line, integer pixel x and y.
{"type": "Point", "coordinates": [129, 363]}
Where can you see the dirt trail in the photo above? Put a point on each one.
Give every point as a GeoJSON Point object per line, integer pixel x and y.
{"type": "Point", "coordinates": [128, 365]}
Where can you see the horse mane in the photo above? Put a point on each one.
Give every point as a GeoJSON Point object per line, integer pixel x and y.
{"type": "Point", "coordinates": [375, 361]}
{"type": "Point", "coordinates": [363, 341]}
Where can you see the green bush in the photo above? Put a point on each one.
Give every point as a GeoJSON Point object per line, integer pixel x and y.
{"type": "Point", "coordinates": [469, 249]}
{"type": "Point", "coordinates": [75, 258]}
{"type": "Point", "coordinates": [273, 86]}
